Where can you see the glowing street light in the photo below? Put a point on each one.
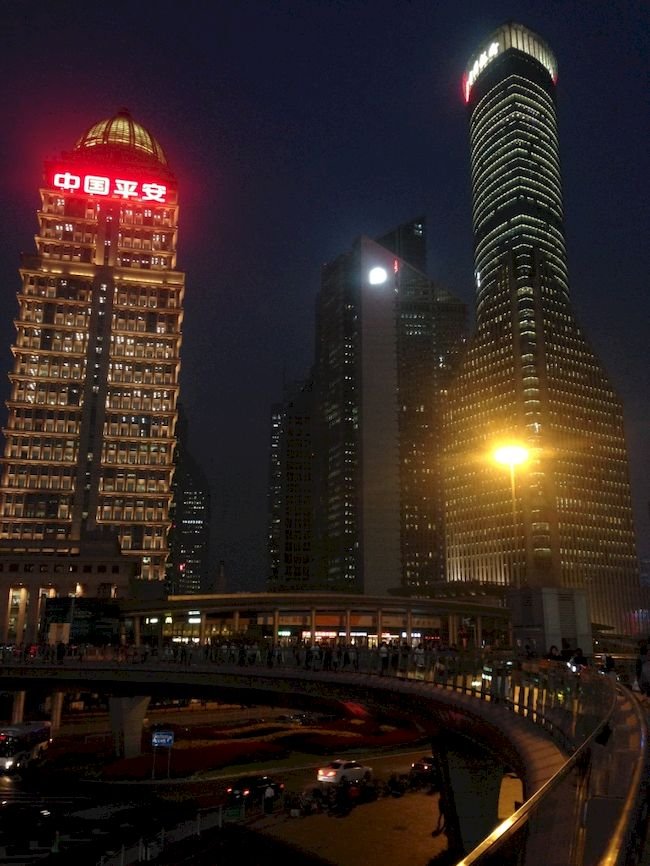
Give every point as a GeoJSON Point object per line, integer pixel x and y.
{"type": "Point", "coordinates": [512, 455]}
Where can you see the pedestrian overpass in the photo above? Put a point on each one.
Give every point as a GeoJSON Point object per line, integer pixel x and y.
{"type": "Point", "coordinates": [578, 742]}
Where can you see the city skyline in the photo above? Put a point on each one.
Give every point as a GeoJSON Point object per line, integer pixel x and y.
{"type": "Point", "coordinates": [278, 173]}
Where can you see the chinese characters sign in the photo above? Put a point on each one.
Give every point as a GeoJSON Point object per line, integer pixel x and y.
{"type": "Point", "coordinates": [122, 188]}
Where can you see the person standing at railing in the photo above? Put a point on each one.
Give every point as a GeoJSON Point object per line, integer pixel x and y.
{"type": "Point", "coordinates": [404, 653]}
{"type": "Point", "coordinates": [418, 657]}
{"type": "Point", "coordinates": [609, 669]}
{"type": "Point", "coordinates": [383, 658]}
{"type": "Point", "coordinates": [578, 661]}
{"type": "Point", "coordinates": [554, 654]}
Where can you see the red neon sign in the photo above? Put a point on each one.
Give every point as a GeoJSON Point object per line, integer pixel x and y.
{"type": "Point", "coordinates": [115, 187]}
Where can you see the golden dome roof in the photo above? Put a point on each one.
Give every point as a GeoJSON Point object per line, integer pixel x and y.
{"type": "Point", "coordinates": [123, 132]}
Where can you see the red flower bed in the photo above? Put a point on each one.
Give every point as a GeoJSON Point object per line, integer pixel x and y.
{"type": "Point", "coordinates": [322, 742]}
{"type": "Point", "coordinates": [186, 762]}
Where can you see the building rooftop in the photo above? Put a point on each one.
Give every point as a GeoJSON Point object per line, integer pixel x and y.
{"type": "Point", "coordinates": [123, 132]}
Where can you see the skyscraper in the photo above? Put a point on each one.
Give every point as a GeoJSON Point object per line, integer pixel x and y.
{"type": "Point", "coordinates": [291, 489]}
{"type": "Point", "coordinates": [188, 567]}
{"type": "Point", "coordinates": [529, 374]}
{"type": "Point", "coordinates": [387, 339]}
{"type": "Point", "coordinates": [92, 408]}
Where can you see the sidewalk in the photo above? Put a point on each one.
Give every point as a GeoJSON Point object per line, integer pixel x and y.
{"type": "Point", "coordinates": [390, 830]}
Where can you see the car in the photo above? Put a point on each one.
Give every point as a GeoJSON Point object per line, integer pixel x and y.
{"type": "Point", "coordinates": [344, 770]}
{"type": "Point", "coordinates": [425, 769]}
{"type": "Point", "coordinates": [250, 789]}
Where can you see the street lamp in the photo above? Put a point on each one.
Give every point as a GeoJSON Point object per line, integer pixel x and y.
{"type": "Point", "coordinates": [512, 456]}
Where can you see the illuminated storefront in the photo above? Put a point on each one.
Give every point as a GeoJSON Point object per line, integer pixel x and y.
{"type": "Point", "coordinates": [291, 618]}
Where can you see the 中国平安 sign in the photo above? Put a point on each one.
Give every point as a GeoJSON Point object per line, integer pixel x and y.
{"type": "Point", "coordinates": [123, 188]}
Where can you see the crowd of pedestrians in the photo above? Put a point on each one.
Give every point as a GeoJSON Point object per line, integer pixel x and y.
{"type": "Point", "coordinates": [388, 658]}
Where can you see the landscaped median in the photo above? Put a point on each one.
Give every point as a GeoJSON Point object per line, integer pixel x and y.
{"type": "Point", "coordinates": [206, 748]}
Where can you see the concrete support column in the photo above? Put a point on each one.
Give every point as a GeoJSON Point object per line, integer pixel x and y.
{"type": "Point", "coordinates": [348, 624]}
{"type": "Point", "coordinates": [18, 708]}
{"type": "Point", "coordinates": [409, 625]}
{"type": "Point", "coordinates": [235, 621]}
{"type": "Point", "coordinates": [22, 613]}
{"type": "Point", "coordinates": [276, 624]}
{"type": "Point", "coordinates": [4, 616]}
{"type": "Point", "coordinates": [453, 628]}
{"type": "Point", "coordinates": [379, 623]}
{"type": "Point", "coordinates": [476, 783]}
{"type": "Point", "coordinates": [55, 710]}
{"type": "Point", "coordinates": [136, 631]}
{"type": "Point", "coordinates": [127, 717]}
{"type": "Point", "coordinates": [478, 632]}
{"type": "Point", "coordinates": [202, 630]}
{"type": "Point", "coordinates": [312, 624]}
{"type": "Point", "coordinates": [33, 616]}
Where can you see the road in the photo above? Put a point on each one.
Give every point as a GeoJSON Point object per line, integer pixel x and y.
{"type": "Point", "coordinates": [406, 822]}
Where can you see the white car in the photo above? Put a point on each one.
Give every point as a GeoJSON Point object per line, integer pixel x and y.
{"type": "Point", "coordinates": [340, 770]}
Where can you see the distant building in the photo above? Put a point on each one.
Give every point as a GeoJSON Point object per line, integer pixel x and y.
{"type": "Point", "coordinates": [364, 512]}
{"type": "Point", "coordinates": [291, 490]}
{"type": "Point", "coordinates": [188, 566]}
{"type": "Point", "coordinates": [92, 408]}
{"type": "Point", "coordinates": [529, 374]}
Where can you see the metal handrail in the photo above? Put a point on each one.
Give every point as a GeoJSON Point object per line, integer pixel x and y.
{"type": "Point", "coordinates": [508, 828]}
{"type": "Point", "coordinates": [619, 841]}
{"type": "Point", "coordinates": [618, 845]}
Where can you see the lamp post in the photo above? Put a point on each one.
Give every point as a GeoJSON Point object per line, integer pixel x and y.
{"type": "Point", "coordinates": [512, 456]}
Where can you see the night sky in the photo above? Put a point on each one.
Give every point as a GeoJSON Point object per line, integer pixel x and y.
{"type": "Point", "coordinates": [294, 126]}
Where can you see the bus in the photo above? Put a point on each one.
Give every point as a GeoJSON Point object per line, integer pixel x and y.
{"type": "Point", "coordinates": [22, 744]}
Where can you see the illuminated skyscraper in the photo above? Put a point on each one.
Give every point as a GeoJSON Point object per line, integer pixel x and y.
{"type": "Point", "coordinates": [189, 537]}
{"type": "Point", "coordinates": [92, 408]}
{"type": "Point", "coordinates": [529, 374]}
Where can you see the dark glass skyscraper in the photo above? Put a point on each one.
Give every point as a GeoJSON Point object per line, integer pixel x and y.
{"type": "Point", "coordinates": [529, 374]}
{"type": "Point", "coordinates": [356, 503]}
{"type": "Point", "coordinates": [189, 536]}
{"type": "Point", "coordinates": [291, 489]}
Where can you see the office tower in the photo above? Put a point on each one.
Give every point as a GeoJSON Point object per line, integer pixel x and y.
{"type": "Point", "coordinates": [188, 567]}
{"type": "Point", "coordinates": [92, 408]}
{"type": "Point", "coordinates": [529, 374]}
{"type": "Point", "coordinates": [291, 489]}
{"type": "Point", "coordinates": [387, 339]}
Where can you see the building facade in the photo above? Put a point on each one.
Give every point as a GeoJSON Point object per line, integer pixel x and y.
{"type": "Point", "coordinates": [92, 407]}
{"type": "Point", "coordinates": [365, 510]}
{"type": "Point", "coordinates": [36, 572]}
{"type": "Point", "coordinates": [529, 375]}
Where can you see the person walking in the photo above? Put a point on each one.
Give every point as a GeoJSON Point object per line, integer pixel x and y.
{"type": "Point", "coordinates": [383, 658]}
{"type": "Point", "coordinates": [269, 799]}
